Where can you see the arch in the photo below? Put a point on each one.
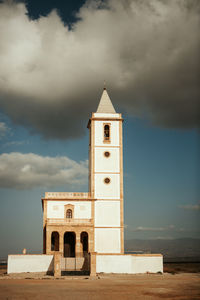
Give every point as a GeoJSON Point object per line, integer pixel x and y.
{"type": "Point", "coordinates": [69, 213]}
{"type": "Point", "coordinates": [84, 241]}
{"type": "Point", "coordinates": [54, 241]}
{"type": "Point", "coordinates": [69, 244]}
{"type": "Point", "coordinates": [106, 132]}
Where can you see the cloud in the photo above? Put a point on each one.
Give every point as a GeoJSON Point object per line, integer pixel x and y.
{"type": "Point", "coordinates": [15, 143]}
{"type": "Point", "coordinates": [141, 228]}
{"type": "Point", "coordinates": [3, 130]}
{"type": "Point", "coordinates": [26, 171]}
{"type": "Point", "coordinates": [162, 238]}
{"type": "Point", "coordinates": [154, 229]}
{"type": "Point", "coordinates": [169, 228]}
{"type": "Point", "coordinates": [147, 51]}
{"type": "Point", "coordinates": [190, 207]}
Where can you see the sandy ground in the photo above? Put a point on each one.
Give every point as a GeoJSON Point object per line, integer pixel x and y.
{"type": "Point", "coordinates": [144, 287]}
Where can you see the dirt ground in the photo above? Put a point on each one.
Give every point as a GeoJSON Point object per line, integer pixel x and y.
{"type": "Point", "coordinates": [106, 287]}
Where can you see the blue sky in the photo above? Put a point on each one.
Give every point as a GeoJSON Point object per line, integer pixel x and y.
{"type": "Point", "coordinates": [43, 122]}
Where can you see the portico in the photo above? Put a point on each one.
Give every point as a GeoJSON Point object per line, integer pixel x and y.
{"type": "Point", "coordinates": [70, 235]}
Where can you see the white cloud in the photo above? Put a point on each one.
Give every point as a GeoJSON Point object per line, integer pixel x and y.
{"type": "Point", "coordinates": [147, 51]}
{"type": "Point", "coordinates": [15, 143]}
{"type": "Point", "coordinates": [3, 129]}
{"type": "Point", "coordinates": [155, 229]}
{"type": "Point", "coordinates": [25, 171]}
{"type": "Point", "coordinates": [162, 238]}
{"type": "Point", "coordinates": [190, 207]}
{"type": "Point", "coordinates": [141, 228]}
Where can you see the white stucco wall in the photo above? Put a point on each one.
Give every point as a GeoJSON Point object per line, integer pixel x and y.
{"type": "Point", "coordinates": [143, 264]}
{"type": "Point", "coordinates": [107, 240]}
{"type": "Point", "coordinates": [129, 264]}
{"type": "Point", "coordinates": [29, 263]}
{"type": "Point", "coordinates": [107, 213]}
{"type": "Point", "coordinates": [99, 132]}
{"type": "Point", "coordinates": [82, 209]}
{"type": "Point", "coordinates": [107, 164]}
{"type": "Point", "coordinates": [107, 191]}
{"type": "Point", "coordinates": [113, 264]}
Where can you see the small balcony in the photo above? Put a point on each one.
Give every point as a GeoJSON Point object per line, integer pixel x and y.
{"type": "Point", "coordinates": [69, 221]}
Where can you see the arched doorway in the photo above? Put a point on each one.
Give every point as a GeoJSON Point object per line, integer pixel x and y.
{"type": "Point", "coordinates": [84, 241]}
{"type": "Point", "coordinates": [55, 241]}
{"type": "Point", "coordinates": [69, 244]}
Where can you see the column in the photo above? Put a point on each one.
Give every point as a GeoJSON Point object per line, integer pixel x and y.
{"type": "Point", "coordinates": [48, 241]}
{"type": "Point", "coordinates": [91, 240]}
{"type": "Point", "coordinates": [57, 264]}
{"type": "Point", "coordinates": [78, 245]}
{"type": "Point", "coordinates": [93, 264]}
{"type": "Point", "coordinates": [44, 240]}
{"type": "Point", "coordinates": [61, 243]}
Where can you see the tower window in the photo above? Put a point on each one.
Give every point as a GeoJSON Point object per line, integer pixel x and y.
{"type": "Point", "coordinates": [106, 133]}
{"type": "Point", "coordinates": [69, 214]}
{"type": "Point", "coordinates": [107, 180]}
{"type": "Point", "coordinates": [106, 154]}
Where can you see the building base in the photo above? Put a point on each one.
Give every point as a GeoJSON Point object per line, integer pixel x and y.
{"type": "Point", "coordinates": [129, 264]}
{"type": "Point", "coordinates": [99, 263]}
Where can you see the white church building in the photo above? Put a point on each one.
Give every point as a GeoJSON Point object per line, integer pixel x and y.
{"type": "Point", "coordinates": [85, 231]}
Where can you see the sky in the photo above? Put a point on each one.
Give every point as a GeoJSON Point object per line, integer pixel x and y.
{"type": "Point", "coordinates": [54, 59]}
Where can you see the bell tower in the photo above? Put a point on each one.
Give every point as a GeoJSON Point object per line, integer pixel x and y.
{"type": "Point", "coordinates": [106, 177]}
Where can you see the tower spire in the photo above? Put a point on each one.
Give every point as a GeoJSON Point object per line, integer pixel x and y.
{"type": "Point", "coordinates": [105, 104]}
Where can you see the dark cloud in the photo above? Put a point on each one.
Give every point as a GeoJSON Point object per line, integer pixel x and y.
{"type": "Point", "coordinates": [147, 51]}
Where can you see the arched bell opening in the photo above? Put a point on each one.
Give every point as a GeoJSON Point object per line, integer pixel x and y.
{"type": "Point", "coordinates": [106, 132]}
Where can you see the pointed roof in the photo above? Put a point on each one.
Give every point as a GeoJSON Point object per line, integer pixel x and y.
{"type": "Point", "coordinates": [105, 104]}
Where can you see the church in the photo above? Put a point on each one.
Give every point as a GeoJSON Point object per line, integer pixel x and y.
{"type": "Point", "coordinates": [85, 231]}
{"type": "Point", "coordinates": [74, 223]}
{"type": "Point", "coordinates": [79, 223]}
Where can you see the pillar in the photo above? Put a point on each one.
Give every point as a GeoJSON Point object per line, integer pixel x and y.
{"type": "Point", "coordinates": [44, 240]}
{"type": "Point", "coordinates": [91, 240]}
{"type": "Point", "coordinates": [48, 241]}
{"type": "Point", "coordinates": [61, 243]}
{"type": "Point", "coordinates": [93, 264]}
{"type": "Point", "coordinates": [78, 245]}
{"type": "Point", "coordinates": [57, 264]}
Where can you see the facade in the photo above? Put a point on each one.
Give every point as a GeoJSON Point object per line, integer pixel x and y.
{"type": "Point", "coordinates": [79, 223]}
